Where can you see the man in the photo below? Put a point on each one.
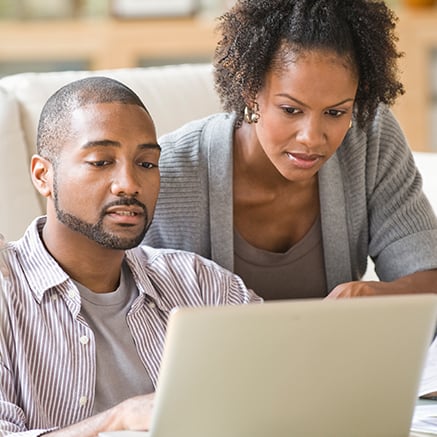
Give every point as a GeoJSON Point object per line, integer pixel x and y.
{"type": "Point", "coordinates": [84, 310]}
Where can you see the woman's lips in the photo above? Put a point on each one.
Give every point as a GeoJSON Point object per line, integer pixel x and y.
{"type": "Point", "coordinates": [304, 160]}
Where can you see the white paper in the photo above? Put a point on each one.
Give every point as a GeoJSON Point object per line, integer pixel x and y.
{"type": "Point", "coordinates": [425, 419]}
{"type": "Point", "coordinates": [428, 383]}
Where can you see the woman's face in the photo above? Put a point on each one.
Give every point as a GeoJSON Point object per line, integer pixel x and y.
{"type": "Point", "coordinates": [305, 112]}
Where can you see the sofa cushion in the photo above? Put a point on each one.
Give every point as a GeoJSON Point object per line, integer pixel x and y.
{"type": "Point", "coordinates": [19, 201]}
{"type": "Point", "coordinates": [173, 94]}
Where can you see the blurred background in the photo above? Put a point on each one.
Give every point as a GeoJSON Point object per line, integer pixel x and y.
{"type": "Point", "coordinates": [47, 35]}
{"type": "Point", "coordinates": [54, 35]}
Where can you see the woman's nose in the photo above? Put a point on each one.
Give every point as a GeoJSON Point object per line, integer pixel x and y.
{"type": "Point", "coordinates": [311, 132]}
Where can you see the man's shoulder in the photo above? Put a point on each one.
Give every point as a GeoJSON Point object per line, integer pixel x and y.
{"type": "Point", "coordinates": [27, 265]}
{"type": "Point", "coordinates": [158, 258]}
{"type": "Point", "coordinates": [187, 275]}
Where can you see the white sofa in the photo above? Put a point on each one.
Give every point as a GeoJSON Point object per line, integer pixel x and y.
{"type": "Point", "coordinates": [173, 95]}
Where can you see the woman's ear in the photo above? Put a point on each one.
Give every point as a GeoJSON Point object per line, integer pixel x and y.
{"type": "Point", "coordinates": [42, 175]}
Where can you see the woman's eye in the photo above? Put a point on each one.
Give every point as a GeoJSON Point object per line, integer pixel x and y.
{"type": "Point", "coordinates": [147, 164]}
{"type": "Point", "coordinates": [335, 112]}
{"type": "Point", "coordinates": [290, 110]}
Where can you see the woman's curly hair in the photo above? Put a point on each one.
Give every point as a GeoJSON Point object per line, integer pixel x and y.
{"type": "Point", "coordinates": [254, 34]}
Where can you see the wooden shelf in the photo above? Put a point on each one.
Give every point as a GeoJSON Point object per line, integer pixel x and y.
{"type": "Point", "coordinates": [106, 43]}
{"type": "Point", "coordinates": [111, 43]}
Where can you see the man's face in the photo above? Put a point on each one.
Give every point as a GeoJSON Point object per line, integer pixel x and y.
{"type": "Point", "coordinates": [106, 178]}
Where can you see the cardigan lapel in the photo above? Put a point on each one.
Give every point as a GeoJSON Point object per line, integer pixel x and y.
{"type": "Point", "coordinates": [219, 136]}
{"type": "Point", "coordinates": [334, 224]}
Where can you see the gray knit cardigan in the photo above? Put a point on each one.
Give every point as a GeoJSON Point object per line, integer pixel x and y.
{"type": "Point", "coordinates": [370, 196]}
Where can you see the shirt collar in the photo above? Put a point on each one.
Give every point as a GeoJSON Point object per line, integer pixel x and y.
{"type": "Point", "coordinates": [137, 262]}
{"type": "Point", "coordinates": [34, 256]}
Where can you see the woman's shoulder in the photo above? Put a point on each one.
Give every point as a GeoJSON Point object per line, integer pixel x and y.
{"type": "Point", "coordinates": [188, 146]}
{"type": "Point", "coordinates": [381, 137]}
{"type": "Point", "coordinates": [192, 131]}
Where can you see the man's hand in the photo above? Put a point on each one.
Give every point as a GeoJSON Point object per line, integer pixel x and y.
{"type": "Point", "coordinates": [133, 414]}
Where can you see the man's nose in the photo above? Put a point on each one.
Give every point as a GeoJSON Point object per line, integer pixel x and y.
{"type": "Point", "coordinates": [125, 182]}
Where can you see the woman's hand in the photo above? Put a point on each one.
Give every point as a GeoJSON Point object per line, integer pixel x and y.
{"type": "Point", "coordinates": [419, 282]}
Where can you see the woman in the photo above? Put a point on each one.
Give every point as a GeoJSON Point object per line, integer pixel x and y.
{"type": "Point", "coordinates": [308, 172]}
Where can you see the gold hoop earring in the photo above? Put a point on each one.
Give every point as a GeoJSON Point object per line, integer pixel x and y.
{"type": "Point", "coordinates": [350, 124]}
{"type": "Point", "coordinates": [251, 115]}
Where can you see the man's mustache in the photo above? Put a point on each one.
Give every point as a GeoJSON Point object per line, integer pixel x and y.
{"type": "Point", "coordinates": [125, 201]}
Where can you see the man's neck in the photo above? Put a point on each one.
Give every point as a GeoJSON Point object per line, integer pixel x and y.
{"type": "Point", "coordinates": [94, 266]}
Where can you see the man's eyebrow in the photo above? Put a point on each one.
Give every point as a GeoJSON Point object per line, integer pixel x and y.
{"type": "Point", "coordinates": [111, 143]}
{"type": "Point", "coordinates": [101, 143]}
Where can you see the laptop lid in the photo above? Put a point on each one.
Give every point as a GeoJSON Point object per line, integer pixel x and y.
{"type": "Point", "coordinates": [314, 368]}
{"type": "Point", "coordinates": [308, 368]}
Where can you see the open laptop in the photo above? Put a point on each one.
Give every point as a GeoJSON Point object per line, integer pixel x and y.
{"type": "Point", "coordinates": [313, 368]}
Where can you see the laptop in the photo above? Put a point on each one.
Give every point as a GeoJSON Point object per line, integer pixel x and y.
{"type": "Point", "coordinates": [313, 368]}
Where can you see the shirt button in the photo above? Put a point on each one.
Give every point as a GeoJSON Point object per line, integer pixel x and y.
{"type": "Point", "coordinates": [84, 339]}
{"type": "Point", "coordinates": [83, 401]}
{"type": "Point", "coordinates": [71, 293]}
{"type": "Point", "coordinates": [54, 297]}
{"type": "Point", "coordinates": [151, 305]}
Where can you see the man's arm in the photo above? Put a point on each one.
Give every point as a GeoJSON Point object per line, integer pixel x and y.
{"type": "Point", "coordinates": [132, 414]}
{"type": "Point", "coordinates": [3, 269]}
{"type": "Point", "coordinates": [419, 282]}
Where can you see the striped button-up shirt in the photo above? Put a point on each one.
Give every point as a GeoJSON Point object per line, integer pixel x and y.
{"type": "Point", "coordinates": [47, 350]}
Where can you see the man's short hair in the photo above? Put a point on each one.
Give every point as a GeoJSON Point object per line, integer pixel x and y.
{"type": "Point", "coordinates": [53, 126]}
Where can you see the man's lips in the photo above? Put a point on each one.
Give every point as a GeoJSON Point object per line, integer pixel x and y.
{"type": "Point", "coordinates": [126, 215]}
{"type": "Point", "coordinates": [125, 210]}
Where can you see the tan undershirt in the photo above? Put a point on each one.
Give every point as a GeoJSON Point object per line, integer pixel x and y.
{"type": "Point", "coordinates": [120, 374]}
{"type": "Point", "coordinates": [295, 274]}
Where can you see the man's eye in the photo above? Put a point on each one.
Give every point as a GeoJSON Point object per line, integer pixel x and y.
{"type": "Point", "coordinates": [100, 163]}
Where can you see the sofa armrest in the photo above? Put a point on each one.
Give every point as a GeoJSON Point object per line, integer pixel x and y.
{"type": "Point", "coordinates": [427, 165]}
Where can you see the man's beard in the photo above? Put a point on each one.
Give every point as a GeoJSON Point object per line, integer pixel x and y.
{"type": "Point", "coordinates": [96, 232]}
